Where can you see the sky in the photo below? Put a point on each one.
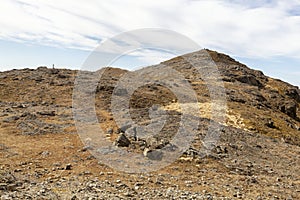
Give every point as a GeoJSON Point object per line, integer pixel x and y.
{"type": "Point", "coordinates": [264, 34]}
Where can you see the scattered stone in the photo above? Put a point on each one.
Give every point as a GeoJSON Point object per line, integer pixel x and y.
{"type": "Point", "coordinates": [68, 167]}
{"type": "Point", "coordinates": [90, 157]}
{"type": "Point", "coordinates": [74, 197]}
{"type": "Point", "coordinates": [86, 148]}
{"type": "Point", "coordinates": [221, 149]}
{"type": "Point", "coordinates": [56, 164]}
{"type": "Point", "coordinates": [121, 92]}
{"type": "Point", "coordinates": [28, 115]}
{"type": "Point", "coordinates": [124, 128]}
{"type": "Point", "coordinates": [11, 119]}
{"type": "Point", "coordinates": [109, 131]}
{"type": "Point", "coordinates": [122, 141]}
{"type": "Point", "coordinates": [270, 124]}
{"type": "Point", "coordinates": [45, 153]}
{"type": "Point", "coordinates": [87, 173]}
{"type": "Point", "coordinates": [153, 154]}
{"type": "Point", "coordinates": [47, 113]}
{"type": "Point", "coordinates": [63, 76]}
{"type": "Point", "coordinates": [3, 186]}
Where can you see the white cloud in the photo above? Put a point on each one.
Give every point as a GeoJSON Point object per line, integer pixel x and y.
{"type": "Point", "coordinates": [152, 56]}
{"type": "Point", "coordinates": [251, 29]}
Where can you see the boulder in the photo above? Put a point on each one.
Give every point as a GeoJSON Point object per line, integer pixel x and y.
{"type": "Point", "coordinates": [122, 141]}
{"type": "Point", "coordinates": [153, 154]}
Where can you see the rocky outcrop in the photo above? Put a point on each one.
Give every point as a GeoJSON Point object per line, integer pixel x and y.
{"type": "Point", "coordinates": [289, 108]}
{"type": "Point", "coordinates": [249, 79]}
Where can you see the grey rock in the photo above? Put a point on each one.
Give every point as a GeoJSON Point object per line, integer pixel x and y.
{"type": "Point", "coordinates": [3, 186]}
{"type": "Point", "coordinates": [47, 113]}
{"type": "Point", "coordinates": [109, 131]}
{"type": "Point", "coordinates": [11, 119]}
{"type": "Point", "coordinates": [153, 154]}
{"type": "Point", "coordinates": [124, 128]}
{"type": "Point", "coordinates": [121, 92]}
{"type": "Point", "coordinates": [122, 141]}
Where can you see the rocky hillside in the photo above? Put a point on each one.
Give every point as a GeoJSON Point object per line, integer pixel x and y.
{"type": "Point", "coordinates": [256, 157]}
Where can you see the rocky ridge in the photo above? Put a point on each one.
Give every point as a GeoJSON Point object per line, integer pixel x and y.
{"type": "Point", "coordinates": [257, 156]}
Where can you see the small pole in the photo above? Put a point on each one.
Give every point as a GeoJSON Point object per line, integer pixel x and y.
{"type": "Point", "coordinates": [52, 66]}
